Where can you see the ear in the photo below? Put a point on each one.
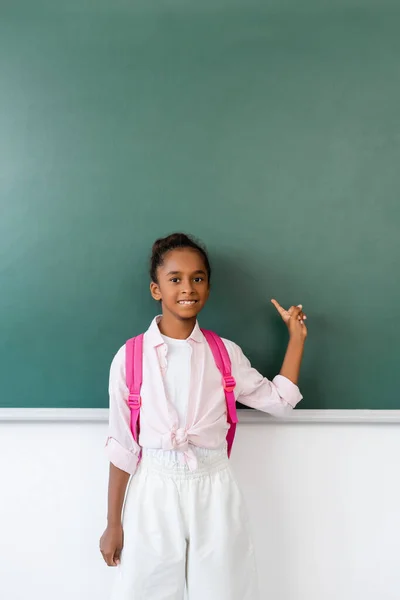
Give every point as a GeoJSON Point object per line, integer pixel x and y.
{"type": "Point", "coordinates": [155, 291]}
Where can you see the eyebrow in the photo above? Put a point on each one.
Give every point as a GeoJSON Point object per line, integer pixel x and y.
{"type": "Point", "coordinates": [194, 272]}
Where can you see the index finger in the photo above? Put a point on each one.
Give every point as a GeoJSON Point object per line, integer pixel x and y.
{"type": "Point", "coordinates": [278, 307]}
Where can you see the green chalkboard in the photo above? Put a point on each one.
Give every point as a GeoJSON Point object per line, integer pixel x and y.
{"type": "Point", "coordinates": [268, 129]}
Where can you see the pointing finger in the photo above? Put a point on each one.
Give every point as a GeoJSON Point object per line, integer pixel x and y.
{"type": "Point", "coordinates": [279, 308]}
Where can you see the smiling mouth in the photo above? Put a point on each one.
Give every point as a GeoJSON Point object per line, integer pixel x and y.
{"type": "Point", "coordinates": [187, 302]}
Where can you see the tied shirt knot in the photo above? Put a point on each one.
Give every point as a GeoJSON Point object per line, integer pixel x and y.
{"type": "Point", "coordinates": [178, 439]}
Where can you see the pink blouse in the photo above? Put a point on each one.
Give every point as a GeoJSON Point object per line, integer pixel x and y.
{"type": "Point", "coordinates": [206, 422]}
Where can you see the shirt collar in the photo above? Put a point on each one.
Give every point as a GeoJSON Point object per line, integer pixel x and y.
{"type": "Point", "coordinates": [155, 338]}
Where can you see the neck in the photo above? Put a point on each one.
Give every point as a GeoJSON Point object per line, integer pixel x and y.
{"type": "Point", "coordinates": [176, 328]}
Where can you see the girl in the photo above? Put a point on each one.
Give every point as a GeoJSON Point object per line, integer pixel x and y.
{"type": "Point", "coordinates": [184, 523]}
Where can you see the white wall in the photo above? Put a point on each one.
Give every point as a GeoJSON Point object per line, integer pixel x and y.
{"type": "Point", "coordinates": [324, 501]}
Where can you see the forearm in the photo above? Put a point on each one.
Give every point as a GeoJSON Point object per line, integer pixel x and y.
{"type": "Point", "coordinates": [117, 482]}
{"type": "Point", "coordinates": [292, 361]}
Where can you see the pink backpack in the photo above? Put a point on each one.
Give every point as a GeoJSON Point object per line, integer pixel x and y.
{"type": "Point", "coordinates": [134, 376]}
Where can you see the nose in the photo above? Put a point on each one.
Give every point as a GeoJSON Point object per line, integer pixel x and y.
{"type": "Point", "coordinates": [188, 287]}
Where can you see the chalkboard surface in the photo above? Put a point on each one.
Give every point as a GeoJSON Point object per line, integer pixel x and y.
{"type": "Point", "coordinates": [268, 129]}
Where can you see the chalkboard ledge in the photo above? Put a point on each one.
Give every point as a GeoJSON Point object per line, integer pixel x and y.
{"type": "Point", "coordinates": [246, 417]}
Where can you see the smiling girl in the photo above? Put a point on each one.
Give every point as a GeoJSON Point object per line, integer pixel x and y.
{"type": "Point", "coordinates": [172, 423]}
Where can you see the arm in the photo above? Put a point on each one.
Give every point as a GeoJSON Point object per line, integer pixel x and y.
{"type": "Point", "coordinates": [112, 540]}
{"type": "Point", "coordinates": [292, 361]}
{"type": "Point", "coordinates": [117, 483]}
{"type": "Point", "coordinates": [123, 453]}
{"type": "Point", "coordinates": [279, 396]}
{"type": "Point", "coordinates": [294, 319]}
{"type": "Point", "coordinates": [122, 450]}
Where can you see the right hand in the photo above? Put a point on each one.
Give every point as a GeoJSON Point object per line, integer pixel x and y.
{"type": "Point", "coordinates": [111, 544]}
{"type": "Point", "coordinates": [294, 319]}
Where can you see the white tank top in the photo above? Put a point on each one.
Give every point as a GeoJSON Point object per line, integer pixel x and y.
{"type": "Point", "coordinates": [177, 376]}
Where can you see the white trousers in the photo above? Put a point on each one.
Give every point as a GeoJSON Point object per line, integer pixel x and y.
{"type": "Point", "coordinates": [185, 529]}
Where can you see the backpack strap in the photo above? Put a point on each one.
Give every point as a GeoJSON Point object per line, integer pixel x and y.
{"type": "Point", "coordinates": [134, 377]}
{"type": "Point", "coordinates": [223, 362]}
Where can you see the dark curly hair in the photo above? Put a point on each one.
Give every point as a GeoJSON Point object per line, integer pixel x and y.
{"type": "Point", "coordinates": [172, 242]}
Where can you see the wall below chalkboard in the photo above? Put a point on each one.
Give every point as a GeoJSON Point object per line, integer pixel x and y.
{"type": "Point", "coordinates": [322, 500]}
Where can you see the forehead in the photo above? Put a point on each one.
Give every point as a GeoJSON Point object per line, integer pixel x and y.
{"type": "Point", "coordinates": [183, 259]}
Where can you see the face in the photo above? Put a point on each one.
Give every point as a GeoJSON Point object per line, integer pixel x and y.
{"type": "Point", "coordinates": [183, 286]}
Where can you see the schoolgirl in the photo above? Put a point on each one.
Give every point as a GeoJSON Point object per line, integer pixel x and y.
{"type": "Point", "coordinates": [172, 422]}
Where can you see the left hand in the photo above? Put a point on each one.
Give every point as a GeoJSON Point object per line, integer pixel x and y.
{"type": "Point", "coordinates": [294, 319]}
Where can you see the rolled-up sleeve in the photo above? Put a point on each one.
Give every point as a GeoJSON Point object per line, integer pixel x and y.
{"type": "Point", "coordinates": [276, 397]}
{"type": "Point", "coordinates": [121, 448]}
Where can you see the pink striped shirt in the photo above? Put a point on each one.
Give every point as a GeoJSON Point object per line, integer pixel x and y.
{"type": "Point", "coordinates": [206, 421]}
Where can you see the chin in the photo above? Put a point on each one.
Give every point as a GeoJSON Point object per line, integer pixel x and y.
{"type": "Point", "coordinates": [188, 314]}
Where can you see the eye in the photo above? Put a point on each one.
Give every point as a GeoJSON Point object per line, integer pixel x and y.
{"type": "Point", "coordinates": [198, 279]}
{"type": "Point", "coordinates": [174, 279]}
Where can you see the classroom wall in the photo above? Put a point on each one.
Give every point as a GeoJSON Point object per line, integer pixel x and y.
{"type": "Point", "coordinates": [323, 499]}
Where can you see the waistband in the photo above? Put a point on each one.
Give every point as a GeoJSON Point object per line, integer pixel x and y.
{"type": "Point", "coordinates": [207, 465]}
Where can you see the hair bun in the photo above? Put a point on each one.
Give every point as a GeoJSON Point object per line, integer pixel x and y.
{"type": "Point", "coordinates": [176, 240]}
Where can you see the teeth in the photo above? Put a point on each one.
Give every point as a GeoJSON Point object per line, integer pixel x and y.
{"type": "Point", "coordinates": [187, 301]}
